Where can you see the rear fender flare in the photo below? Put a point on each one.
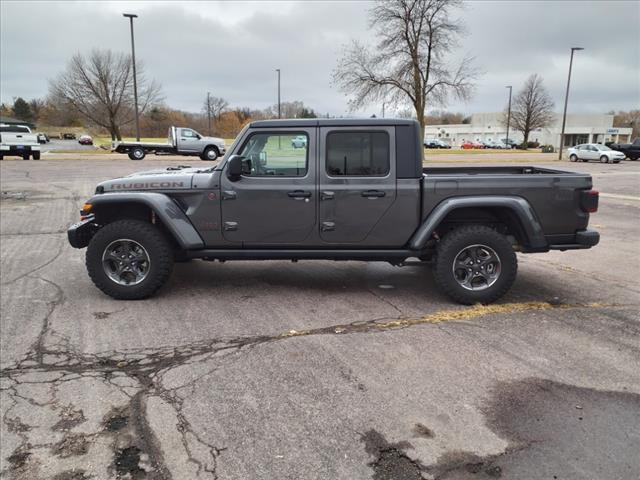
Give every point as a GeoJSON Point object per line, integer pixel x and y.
{"type": "Point", "coordinates": [171, 216]}
{"type": "Point", "coordinates": [518, 205]}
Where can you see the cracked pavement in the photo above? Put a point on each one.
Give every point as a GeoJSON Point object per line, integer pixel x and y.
{"type": "Point", "coordinates": [314, 370]}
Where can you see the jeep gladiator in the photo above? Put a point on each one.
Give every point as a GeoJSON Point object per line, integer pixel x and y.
{"type": "Point", "coordinates": [357, 190]}
{"type": "Point", "coordinates": [180, 141]}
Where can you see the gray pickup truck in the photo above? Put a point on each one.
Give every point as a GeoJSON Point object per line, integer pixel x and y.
{"type": "Point", "coordinates": [180, 141]}
{"type": "Point", "coordinates": [356, 190]}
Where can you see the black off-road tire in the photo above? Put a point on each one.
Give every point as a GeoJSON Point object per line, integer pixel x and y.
{"type": "Point", "coordinates": [154, 242]}
{"type": "Point", "coordinates": [36, 155]}
{"type": "Point", "coordinates": [210, 154]}
{"type": "Point", "coordinates": [453, 243]}
{"type": "Point", "coordinates": [137, 153]}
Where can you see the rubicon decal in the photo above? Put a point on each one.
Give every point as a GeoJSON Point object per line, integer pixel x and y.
{"type": "Point", "coordinates": [142, 185]}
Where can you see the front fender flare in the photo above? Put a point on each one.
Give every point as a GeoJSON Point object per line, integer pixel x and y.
{"type": "Point", "coordinates": [171, 216]}
{"type": "Point", "coordinates": [518, 205]}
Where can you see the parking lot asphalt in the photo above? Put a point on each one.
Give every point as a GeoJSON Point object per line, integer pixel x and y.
{"type": "Point", "coordinates": [313, 370]}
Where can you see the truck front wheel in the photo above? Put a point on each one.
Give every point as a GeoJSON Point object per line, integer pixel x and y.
{"type": "Point", "coordinates": [475, 264]}
{"type": "Point", "coordinates": [136, 153]}
{"type": "Point", "coordinates": [210, 153]}
{"type": "Point", "coordinates": [129, 259]}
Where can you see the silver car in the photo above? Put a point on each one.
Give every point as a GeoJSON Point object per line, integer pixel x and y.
{"type": "Point", "coordinates": [594, 151]}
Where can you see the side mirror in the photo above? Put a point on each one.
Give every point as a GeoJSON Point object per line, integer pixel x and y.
{"type": "Point", "coordinates": [234, 167]}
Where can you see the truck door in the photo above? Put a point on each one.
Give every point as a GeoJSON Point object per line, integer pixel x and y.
{"type": "Point", "coordinates": [274, 202]}
{"type": "Point", "coordinates": [357, 179]}
{"type": "Point", "coordinates": [188, 140]}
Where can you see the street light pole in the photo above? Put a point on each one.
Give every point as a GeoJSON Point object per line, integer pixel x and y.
{"type": "Point", "coordinates": [510, 87]}
{"type": "Point", "coordinates": [131, 16]}
{"type": "Point", "coordinates": [278, 70]}
{"type": "Point", "coordinates": [566, 100]}
{"type": "Point", "coordinates": [209, 112]}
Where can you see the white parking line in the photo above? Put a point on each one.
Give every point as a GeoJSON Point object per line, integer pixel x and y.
{"type": "Point", "coordinates": [620, 197]}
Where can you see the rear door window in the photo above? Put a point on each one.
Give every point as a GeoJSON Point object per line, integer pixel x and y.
{"type": "Point", "coordinates": [358, 154]}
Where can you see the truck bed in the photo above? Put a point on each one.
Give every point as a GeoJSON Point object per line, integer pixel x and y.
{"type": "Point", "coordinates": [492, 171]}
{"type": "Point", "coordinates": [554, 195]}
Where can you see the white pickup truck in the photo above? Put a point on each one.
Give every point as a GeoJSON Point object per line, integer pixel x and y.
{"type": "Point", "coordinates": [180, 141]}
{"type": "Point", "coordinates": [19, 141]}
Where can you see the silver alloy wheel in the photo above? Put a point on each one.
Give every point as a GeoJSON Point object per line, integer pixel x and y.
{"type": "Point", "coordinates": [212, 154]}
{"type": "Point", "coordinates": [476, 267]}
{"type": "Point", "coordinates": [126, 262]}
{"type": "Point", "coordinates": [138, 153]}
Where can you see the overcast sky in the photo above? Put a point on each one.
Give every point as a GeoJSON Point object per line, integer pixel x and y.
{"type": "Point", "coordinates": [231, 49]}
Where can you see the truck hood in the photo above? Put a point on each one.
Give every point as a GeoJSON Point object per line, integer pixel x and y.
{"type": "Point", "coordinates": [215, 140]}
{"type": "Point", "coordinates": [171, 178]}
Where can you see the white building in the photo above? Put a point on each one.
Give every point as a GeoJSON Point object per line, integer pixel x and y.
{"type": "Point", "coordinates": [489, 127]}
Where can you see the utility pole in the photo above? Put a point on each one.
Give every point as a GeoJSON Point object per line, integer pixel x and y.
{"type": "Point", "coordinates": [566, 100]}
{"type": "Point", "coordinates": [382, 109]}
{"type": "Point", "coordinates": [209, 112]}
{"type": "Point", "coordinates": [510, 87]}
{"type": "Point", "coordinates": [131, 16]}
{"type": "Point", "coordinates": [279, 113]}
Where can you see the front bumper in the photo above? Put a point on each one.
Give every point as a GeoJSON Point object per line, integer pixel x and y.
{"type": "Point", "coordinates": [81, 233]}
{"type": "Point", "coordinates": [583, 239]}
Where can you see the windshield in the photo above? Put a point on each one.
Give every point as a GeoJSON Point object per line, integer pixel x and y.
{"type": "Point", "coordinates": [602, 148]}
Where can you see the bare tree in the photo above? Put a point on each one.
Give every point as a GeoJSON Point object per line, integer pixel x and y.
{"type": "Point", "coordinates": [409, 63]}
{"type": "Point", "coordinates": [212, 108]}
{"type": "Point", "coordinates": [630, 118]}
{"type": "Point", "coordinates": [37, 106]}
{"type": "Point", "coordinates": [100, 88]}
{"type": "Point", "coordinates": [532, 108]}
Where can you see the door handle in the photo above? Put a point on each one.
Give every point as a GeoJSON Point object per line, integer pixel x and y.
{"type": "Point", "coordinates": [327, 226]}
{"type": "Point", "coordinates": [373, 194]}
{"type": "Point", "coordinates": [229, 195]}
{"type": "Point", "coordinates": [299, 194]}
{"type": "Point", "coordinates": [326, 195]}
{"type": "Point", "coordinates": [230, 226]}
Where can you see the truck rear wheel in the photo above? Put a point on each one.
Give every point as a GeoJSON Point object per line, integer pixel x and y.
{"type": "Point", "coordinates": [136, 153]}
{"type": "Point", "coordinates": [475, 264]}
{"type": "Point", "coordinates": [36, 155]}
{"type": "Point", "coordinates": [129, 259]}
{"type": "Point", "coordinates": [210, 153]}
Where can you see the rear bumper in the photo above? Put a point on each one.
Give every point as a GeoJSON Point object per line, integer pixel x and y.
{"type": "Point", "coordinates": [14, 150]}
{"type": "Point", "coordinates": [80, 234]}
{"type": "Point", "coordinates": [583, 239]}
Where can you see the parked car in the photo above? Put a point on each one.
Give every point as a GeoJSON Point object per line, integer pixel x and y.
{"type": "Point", "coordinates": [299, 142]}
{"type": "Point", "coordinates": [68, 136]}
{"type": "Point", "coordinates": [435, 143]}
{"type": "Point", "coordinates": [594, 151]}
{"type": "Point", "coordinates": [85, 140]}
{"type": "Point", "coordinates": [510, 143]}
{"type": "Point", "coordinates": [467, 145]}
{"type": "Point", "coordinates": [495, 145]}
{"type": "Point", "coordinates": [180, 141]}
{"type": "Point", "coordinates": [346, 203]}
{"type": "Point", "coordinates": [43, 138]}
{"type": "Point", "coordinates": [630, 150]}
{"type": "Point", "coordinates": [19, 141]}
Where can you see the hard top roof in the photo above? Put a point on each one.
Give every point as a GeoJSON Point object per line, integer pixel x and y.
{"type": "Point", "coordinates": [331, 122]}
